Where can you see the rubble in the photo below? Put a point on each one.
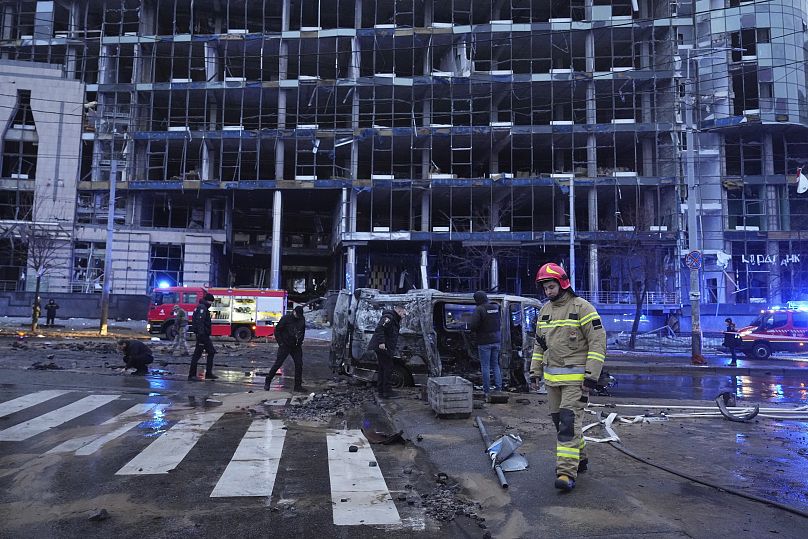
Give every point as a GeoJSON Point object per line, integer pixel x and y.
{"type": "Point", "coordinates": [444, 503]}
{"type": "Point", "coordinates": [323, 406]}
{"type": "Point", "coordinates": [39, 366]}
{"type": "Point", "coordinates": [99, 515]}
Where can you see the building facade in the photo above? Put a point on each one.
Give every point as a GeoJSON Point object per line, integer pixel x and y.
{"type": "Point", "coordinates": [456, 144]}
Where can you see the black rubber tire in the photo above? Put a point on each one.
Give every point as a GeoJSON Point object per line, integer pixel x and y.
{"type": "Point", "coordinates": [242, 334]}
{"type": "Point", "coordinates": [761, 350]}
{"type": "Point", "coordinates": [401, 377]}
{"type": "Point", "coordinates": [171, 331]}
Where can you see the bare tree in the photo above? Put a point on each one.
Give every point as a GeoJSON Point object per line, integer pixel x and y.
{"type": "Point", "coordinates": [42, 242]}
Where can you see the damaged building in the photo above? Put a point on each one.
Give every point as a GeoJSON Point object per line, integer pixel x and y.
{"type": "Point", "coordinates": [396, 144]}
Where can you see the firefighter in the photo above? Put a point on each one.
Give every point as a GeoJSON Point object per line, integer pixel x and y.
{"type": "Point", "coordinates": [569, 353]}
{"type": "Point", "coordinates": [202, 325]}
{"type": "Point", "coordinates": [289, 334]}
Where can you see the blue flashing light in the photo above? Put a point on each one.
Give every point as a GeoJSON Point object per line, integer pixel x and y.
{"type": "Point", "coordinates": [163, 284]}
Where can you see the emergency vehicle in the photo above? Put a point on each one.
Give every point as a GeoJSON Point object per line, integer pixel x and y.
{"type": "Point", "coordinates": [776, 330]}
{"type": "Point", "coordinates": [242, 313]}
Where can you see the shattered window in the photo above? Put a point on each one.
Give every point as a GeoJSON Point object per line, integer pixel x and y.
{"type": "Point", "coordinates": [456, 316]}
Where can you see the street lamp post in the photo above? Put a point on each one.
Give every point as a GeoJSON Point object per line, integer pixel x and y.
{"type": "Point", "coordinates": [113, 176]}
{"type": "Point", "coordinates": [692, 218]}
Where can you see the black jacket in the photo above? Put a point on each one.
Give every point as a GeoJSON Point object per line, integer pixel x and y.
{"type": "Point", "coordinates": [386, 332]}
{"type": "Point", "coordinates": [51, 308]}
{"type": "Point", "coordinates": [731, 338]}
{"type": "Point", "coordinates": [201, 320]}
{"type": "Point", "coordinates": [137, 353]}
{"type": "Point", "coordinates": [486, 320]}
{"type": "Point", "coordinates": [290, 331]}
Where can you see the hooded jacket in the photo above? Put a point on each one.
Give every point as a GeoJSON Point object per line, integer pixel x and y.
{"type": "Point", "coordinates": [201, 320]}
{"type": "Point", "coordinates": [486, 320]}
{"type": "Point", "coordinates": [575, 340]}
{"type": "Point", "coordinates": [291, 331]}
{"type": "Point", "coordinates": [386, 332]}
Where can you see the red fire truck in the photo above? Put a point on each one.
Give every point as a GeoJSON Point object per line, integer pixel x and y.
{"type": "Point", "coordinates": [242, 313]}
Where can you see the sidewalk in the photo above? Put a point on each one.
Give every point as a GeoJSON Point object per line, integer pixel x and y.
{"type": "Point", "coordinates": [618, 496]}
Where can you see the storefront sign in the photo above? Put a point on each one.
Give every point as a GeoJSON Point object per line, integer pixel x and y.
{"type": "Point", "coordinates": [759, 260]}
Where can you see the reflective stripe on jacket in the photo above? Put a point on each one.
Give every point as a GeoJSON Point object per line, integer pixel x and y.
{"type": "Point", "coordinates": [576, 342]}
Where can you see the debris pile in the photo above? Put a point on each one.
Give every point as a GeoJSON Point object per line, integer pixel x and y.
{"type": "Point", "coordinates": [444, 503]}
{"type": "Point", "coordinates": [40, 366]}
{"type": "Point", "coordinates": [323, 406]}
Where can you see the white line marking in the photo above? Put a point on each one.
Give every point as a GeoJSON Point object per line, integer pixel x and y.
{"type": "Point", "coordinates": [167, 451]}
{"type": "Point", "coordinates": [359, 494]}
{"type": "Point", "coordinates": [254, 466]}
{"type": "Point", "coordinates": [40, 424]}
{"type": "Point", "coordinates": [87, 445]}
{"type": "Point", "coordinates": [26, 401]}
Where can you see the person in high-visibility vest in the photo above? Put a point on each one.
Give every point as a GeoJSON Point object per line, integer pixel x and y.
{"type": "Point", "coordinates": [569, 353]}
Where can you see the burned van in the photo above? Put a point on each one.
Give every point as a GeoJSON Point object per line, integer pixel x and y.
{"type": "Point", "coordinates": [434, 338]}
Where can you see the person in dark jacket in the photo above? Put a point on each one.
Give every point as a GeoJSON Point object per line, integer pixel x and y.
{"type": "Point", "coordinates": [136, 355]}
{"type": "Point", "coordinates": [50, 310]}
{"type": "Point", "coordinates": [202, 325]}
{"type": "Point", "coordinates": [383, 344]}
{"type": "Point", "coordinates": [485, 322]}
{"type": "Point", "coordinates": [731, 339]}
{"type": "Point", "coordinates": [289, 334]}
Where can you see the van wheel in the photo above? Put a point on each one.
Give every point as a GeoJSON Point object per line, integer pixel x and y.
{"type": "Point", "coordinates": [171, 331]}
{"type": "Point", "coordinates": [243, 334]}
{"type": "Point", "coordinates": [761, 350]}
{"type": "Point", "coordinates": [401, 377]}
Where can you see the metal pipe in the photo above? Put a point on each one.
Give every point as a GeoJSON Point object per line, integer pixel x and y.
{"type": "Point", "coordinates": [487, 442]}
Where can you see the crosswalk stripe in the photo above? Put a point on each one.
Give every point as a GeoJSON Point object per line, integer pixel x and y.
{"type": "Point", "coordinates": [26, 401]}
{"type": "Point", "coordinates": [87, 445]}
{"type": "Point", "coordinates": [359, 494]}
{"type": "Point", "coordinates": [254, 466]}
{"type": "Point", "coordinates": [167, 451]}
{"type": "Point", "coordinates": [42, 423]}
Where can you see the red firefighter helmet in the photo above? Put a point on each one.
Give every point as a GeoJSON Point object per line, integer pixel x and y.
{"type": "Point", "coordinates": [552, 270]}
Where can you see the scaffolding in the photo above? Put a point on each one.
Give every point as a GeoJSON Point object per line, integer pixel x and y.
{"type": "Point", "coordinates": [415, 143]}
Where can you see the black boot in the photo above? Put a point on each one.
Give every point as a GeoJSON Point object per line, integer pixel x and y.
{"type": "Point", "coordinates": [268, 382]}
{"type": "Point", "coordinates": [583, 465]}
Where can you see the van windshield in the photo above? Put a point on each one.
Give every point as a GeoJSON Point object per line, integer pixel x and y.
{"type": "Point", "coordinates": [772, 321]}
{"type": "Point", "coordinates": [161, 298]}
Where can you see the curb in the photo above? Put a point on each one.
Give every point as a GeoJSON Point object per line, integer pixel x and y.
{"type": "Point", "coordinates": [706, 369]}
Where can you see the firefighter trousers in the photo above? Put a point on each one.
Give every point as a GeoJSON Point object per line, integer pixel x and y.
{"type": "Point", "coordinates": [567, 405]}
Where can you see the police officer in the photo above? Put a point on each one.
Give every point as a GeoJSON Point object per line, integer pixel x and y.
{"type": "Point", "coordinates": [202, 325]}
{"type": "Point", "coordinates": [569, 353]}
{"type": "Point", "coordinates": [50, 310]}
{"type": "Point", "coordinates": [731, 340]}
{"type": "Point", "coordinates": [289, 334]}
{"type": "Point", "coordinates": [486, 322]}
{"type": "Point", "coordinates": [384, 343]}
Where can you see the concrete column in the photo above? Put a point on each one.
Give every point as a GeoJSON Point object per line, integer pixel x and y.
{"type": "Point", "coordinates": [594, 262]}
{"type": "Point", "coordinates": [208, 212]}
{"type": "Point", "coordinates": [424, 267]}
{"type": "Point", "coordinates": [772, 209]}
{"type": "Point", "coordinates": [206, 168]}
{"type": "Point", "coordinates": [647, 157]}
{"type": "Point", "coordinates": [775, 282]}
{"type": "Point", "coordinates": [494, 285]}
{"type": "Point", "coordinates": [591, 156]}
{"type": "Point", "coordinates": [8, 28]}
{"type": "Point", "coordinates": [426, 210]}
{"type": "Point", "coordinates": [275, 264]}
{"type": "Point", "coordinates": [350, 269]}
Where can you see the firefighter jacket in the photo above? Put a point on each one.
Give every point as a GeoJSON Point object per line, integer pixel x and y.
{"type": "Point", "coordinates": [201, 320]}
{"type": "Point", "coordinates": [386, 332]}
{"type": "Point", "coordinates": [575, 340]}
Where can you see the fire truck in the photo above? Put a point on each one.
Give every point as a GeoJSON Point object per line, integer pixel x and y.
{"type": "Point", "coordinates": [242, 313]}
{"type": "Point", "coordinates": [776, 330]}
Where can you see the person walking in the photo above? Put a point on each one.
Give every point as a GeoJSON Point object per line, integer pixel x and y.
{"type": "Point", "coordinates": [202, 326]}
{"type": "Point", "coordinates": [50, 310]}
{"type": "Point", "coordinates": [136, 355]}
{"type": "Point", "coordinates": [731, 340]}
{"type": "Point", "coordinates": [485, 322]}
{"type": "Point", "coordinates": [289, 334]}
{"type": "Point", "coordinates": [384, 343]}
{"type": "Point", "coordinates": [181, 327]}
{"type": "Point", "coordinates": [569, 354]}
